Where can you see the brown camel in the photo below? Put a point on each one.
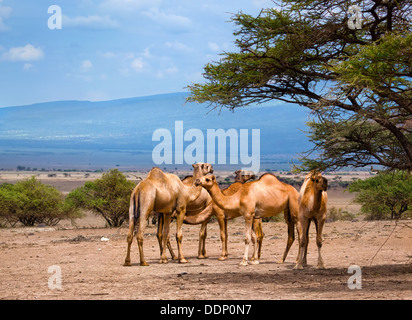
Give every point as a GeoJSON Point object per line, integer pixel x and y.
{"type": "Point", "coordinates": [256, 199]}
{"type": "Point", "coordinates": [202, 209]}
{"type": "Point", "coordinates": [312, 206]}
{"type": "Point", "coordinates": [165, 193]}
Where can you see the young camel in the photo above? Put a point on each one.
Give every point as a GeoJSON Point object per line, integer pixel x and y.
{"type": "Point", "coordinates": [202, 209]}
{"type": "Point", "coordinates": [312, 206]}
{"type": "Point", "coordinates": [165, 193]}
{"type": "Point", "coordinates": [256, 199]}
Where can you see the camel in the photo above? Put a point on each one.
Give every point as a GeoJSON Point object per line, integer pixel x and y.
{"type": "Point", "coordinates": [202, 209]}
{"type": "Point", "coordinates": [165, 193]}
{"type": "Point", "coordinates": [254, 200]}
{"type": "Point", "coordinates": [312, 206]}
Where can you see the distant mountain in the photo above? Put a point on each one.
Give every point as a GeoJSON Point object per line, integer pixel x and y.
{"type": "Point", "coordinates": [84, 134]}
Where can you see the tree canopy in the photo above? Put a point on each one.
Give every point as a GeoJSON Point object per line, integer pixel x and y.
{"type": "Point", "coordinates": [108, 197]}
{"type": "Point", "coordinates": [357, 82]}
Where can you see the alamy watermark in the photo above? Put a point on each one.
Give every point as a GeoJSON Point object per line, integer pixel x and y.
{"type": "Point", "coordinates": [215, 139]}
{"type": "Point", "coordinates": [355, 20]}
{"type": "Point", "coordinates": [355, 281]}
{"type": "Point", "coordinates": [55, 20]}
{"type": "Point", "coordinates": [55, 280]}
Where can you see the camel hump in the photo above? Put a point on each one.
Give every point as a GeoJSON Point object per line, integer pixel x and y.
{"type": "Point", "coordinates": [156, 174]}
{"type": "Point", "coordinates": [269, 177]}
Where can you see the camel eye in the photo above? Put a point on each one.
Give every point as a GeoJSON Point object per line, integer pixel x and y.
{"type": "Point", "coordinates": [316, 180]}
{"type": "Point", "coordinates": [207, 179]}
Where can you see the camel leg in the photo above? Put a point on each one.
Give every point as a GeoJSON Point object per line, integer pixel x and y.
{"type": "Point", "coordinates": [291, 237]}
{"type": "Point", "coordinates": [303, 245]}
{"type": "Point", "coordinates": [159, 234]}
{"type": "Point", "coordinates": [259, 234]}
{"type": "Point", "coordinates": [179, 235]}
{"type": "Point", "coordinates": [254, 259]}
{"type": "Point", "coordinates": [319, 226]}
{"type": "Point", "coordinates": [249, 222]}
{"type": "Point", "coordinates": [160, 237]}
{"type": "Point", "coordinates": [223, 235]}
{"type": "Point", "coordinates": [305, 261]}
{"type": "Point", "coordinates": [202, 241]}
{"type": "Point", "coordinates": [127, 262]}
{"type": "Point", "coordinates": [140, 233]}
{"type": "Point", "coordinates": [167, 218]}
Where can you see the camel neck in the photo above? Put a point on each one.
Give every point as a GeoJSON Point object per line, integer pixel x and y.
{"type": "Point", "coordinates": [194, 191]}
{"type": "Point", "coordinates": [224, 202]}
{"type": "Point", "coordinates": [316, 194]}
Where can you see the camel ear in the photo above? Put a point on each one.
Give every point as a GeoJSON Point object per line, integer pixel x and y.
{"type": "Point", "coordinates": [213, 178]}
{"type": "Point", "coordinates": [195, 165]}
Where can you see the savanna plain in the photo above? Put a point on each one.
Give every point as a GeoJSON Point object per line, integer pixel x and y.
{"type": "Point", "coordinates": [90, 257]}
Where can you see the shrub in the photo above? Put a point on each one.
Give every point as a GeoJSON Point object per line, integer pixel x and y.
{"type": "Point", "coordinates": [32, 202]}
{"type": "Point", "coordinates": [386, 195]}
{"type": "Point", "coordinates": [108, 197]}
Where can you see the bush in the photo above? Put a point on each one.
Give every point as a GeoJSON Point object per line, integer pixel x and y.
{"type": "Point", "coordinates": [339, 215]}
{"type": "Point", "coordinates": [108, 197]}
{"type": "Point", "coordinates": [386, 195]}
{"type": "Point", "coordinates": [31, 202]}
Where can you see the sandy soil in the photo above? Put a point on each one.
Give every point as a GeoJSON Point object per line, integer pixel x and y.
{"type": "Point", "coordinates": [93, 269]}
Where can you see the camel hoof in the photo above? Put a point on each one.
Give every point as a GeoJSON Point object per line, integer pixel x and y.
{"type": "Point", "coordinates": [298, 267]}
{"type": "Point", "coordinates": [321, 266]}
{"type": "Point", "coordinates": [144, 264]}
{"type": "Point", "coordinates": [222, 258]}
{"type": "Point", "coordinates": [163, 261]}
{"type": "Point", "coordinates": [202, 256]}
{"type": "Point", "coordinates": [243, 263]}
{"type": "Point", "coordinates": [127, 264]}
{"type": "Point", "coordinates": [281, 261]}
{"type": "Point", "coordinates": [254, 261]}
{"type": "Point", "coordinates": [175, 258]}
{"type": "Point", "coordinates": [183, 260]}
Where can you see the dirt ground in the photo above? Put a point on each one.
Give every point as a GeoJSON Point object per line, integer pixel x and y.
{"type": "Point", "coordinates": [92, 269]}
{"type": "Point", "coordinates": [32, 258]}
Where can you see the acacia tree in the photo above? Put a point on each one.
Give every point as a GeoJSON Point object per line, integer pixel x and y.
{"type": "Point", "coordinates": [356, 81]}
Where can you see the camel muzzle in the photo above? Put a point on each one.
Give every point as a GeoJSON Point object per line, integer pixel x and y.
{"type": "Point", "coordinates": [325, 184]}
{"type": "Point", "coordinates": [197, 182]}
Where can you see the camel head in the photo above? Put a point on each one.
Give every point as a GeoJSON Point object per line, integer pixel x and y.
{"type": "Point", "coordinates": [206, 181]}
{"type": "Point", "coordinates": [319, 182]}
{"type": "Point", "coordinates": [244, 175]}
{"type": "Point", "coordinates": [203, 168]}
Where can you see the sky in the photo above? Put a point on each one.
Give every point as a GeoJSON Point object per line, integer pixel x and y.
{"type": "Point", "coordinates": [111, 49]}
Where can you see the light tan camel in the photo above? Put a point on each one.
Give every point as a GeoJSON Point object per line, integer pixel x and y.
{"type": "Point", "coordinates": [223, 219]}
{"type": "Point", "coordinates": [241, 176]}
{"type": "Point", "coordinates": [165, 193]}
{"type": "Point", "coordinates": [202, 209]}
{"type": "Point", "coordinates": [313, 200]}
{"type": "Point", "coordinates": [256, 199]}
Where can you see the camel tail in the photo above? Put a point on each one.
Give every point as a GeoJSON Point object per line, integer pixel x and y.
{"type": "Point", "coordinates": [134, 208]}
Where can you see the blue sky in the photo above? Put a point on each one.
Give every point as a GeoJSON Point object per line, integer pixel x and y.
{"type": "Point", "coordinates": [110, 49]}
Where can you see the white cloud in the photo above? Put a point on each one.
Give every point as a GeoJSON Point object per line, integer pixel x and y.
{"type": "Point", "coordinates": [27, 66]}
{"type": "Point", "coordinates": [172, 20]}
{"type": "Point", "coordinates": [128, 5]}
{"type": "Point", "coordinates": [26, 53]}
{"type": "Point", "coordinates": [4, 14]}
{"type": "Point", "coordinates": [213, 46]}
{"type": "Point", "coordinates": [86, 65]}
{"type": "Point", "coordinates": [177, 45]}
{"type": "Point", "coordinates": [137, 64]}
{"type": "Point", "coordinates": [91, 22]}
